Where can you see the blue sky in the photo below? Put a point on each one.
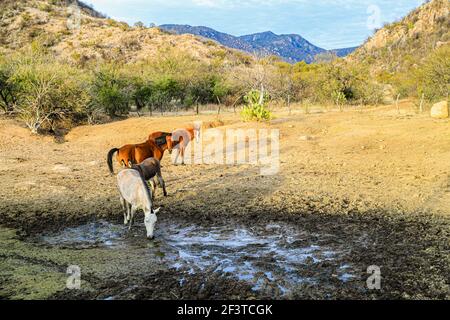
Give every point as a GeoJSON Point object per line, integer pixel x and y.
{"type": "Point", "coordinates": [329, 24]}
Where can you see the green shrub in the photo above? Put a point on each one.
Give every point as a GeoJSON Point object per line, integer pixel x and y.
{"type": "Point", "coordinates": [47, 92]}
{"type": "Point", "coordinates": [8, 89]}
{"type": "Point", "coordinates": [165, 90]}
{"type": "Point", "coordinates": [433, 75]}
{"type": "Point", "coordinates": [25, 20]}
{"type": "Point", "coordinates": [110, 92]}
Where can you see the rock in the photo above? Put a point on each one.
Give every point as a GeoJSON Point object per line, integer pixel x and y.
{"type": "Point", "coordinates": [305, 138]}
{"type": "Point", "coordinates": [440, 110]}
{"type": "Point", "coordinates": [61, 168]}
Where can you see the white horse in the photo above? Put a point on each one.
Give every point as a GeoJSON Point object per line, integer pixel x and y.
{"type": "Point", "coordinates": [134, 195]}
{"type": "Point", "coordinates": [181, 139]}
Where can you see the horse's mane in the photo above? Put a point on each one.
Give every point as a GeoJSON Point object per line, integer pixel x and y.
{"type": "Point", "coordinates": [147, 189]}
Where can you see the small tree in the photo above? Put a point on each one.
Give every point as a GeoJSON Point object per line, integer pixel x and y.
{"type": "Point", "coordinates": [7, 88]}
{"type": "Point", "coordinates": [165, 90]}
{"type": "Point", "coordinates": [47, 93]}
{"type": "Point", "coordinates": [285, 83]}
{"type": "Point", "coordinates": [139, 25]}
{"type": "Point", "coordinates": [111, 92]}
{"type": "Point", "coordinates": [434, 76]}
{"type": "Point", "coordinates": [141, 92]}
{"type": "Point", "coordinates": [220, 90]}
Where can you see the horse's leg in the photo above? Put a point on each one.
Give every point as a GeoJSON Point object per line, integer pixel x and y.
{"type": "Point", "coordinates": [124, 207]}
{"type": "Point", "coordinates": [133, 212]}
{"type": "Point", "coordinates": [176, 157]}
{"type": "Point", "coordinates": [182, 155]}
{"type": "Point", "coordinates": [162, 184]}
{"type": "Point", "coordinates": [128, 213]}
{"type": "Point", "coordinates": [153, 188]}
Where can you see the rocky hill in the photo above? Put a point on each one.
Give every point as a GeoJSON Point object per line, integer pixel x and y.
{"type": "Point", "coordinates": [400, 45]}
{"type": "Point", "coordinates": [80, 34]}
{"type": "Point", "coordinates": [290, 47]}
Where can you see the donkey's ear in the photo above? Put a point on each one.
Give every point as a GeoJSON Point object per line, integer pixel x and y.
{"type": "Point", "coordinates": [156, 210]}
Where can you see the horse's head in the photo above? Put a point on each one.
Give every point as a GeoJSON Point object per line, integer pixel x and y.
{"type": "Point", "coordinates": [197, 129]}
{"type": "Point", "coordinates": [169, 144]}
{"type": "Point", "coordinates": [197, 135]}
{"type": "Point", "coordinates": [150, 221]}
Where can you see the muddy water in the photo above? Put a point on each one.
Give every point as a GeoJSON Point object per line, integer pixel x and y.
{"type": "Point", "coordinates": [276, 255]}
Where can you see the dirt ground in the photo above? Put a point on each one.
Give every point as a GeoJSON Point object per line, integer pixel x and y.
{"type": "Point", "coordinates": [368, 174]}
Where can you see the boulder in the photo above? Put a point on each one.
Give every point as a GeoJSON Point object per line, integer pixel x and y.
{"type": "Point", "coordinates": [440, 110]}
{"type": "Point", "coordinates": [306, 138]}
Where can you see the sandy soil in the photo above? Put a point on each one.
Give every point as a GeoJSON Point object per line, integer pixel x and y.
{"type": "Point", "coordinates": [372, 173]}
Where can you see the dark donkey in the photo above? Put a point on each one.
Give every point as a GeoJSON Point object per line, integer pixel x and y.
{"type": "Point", "coordinates": [149, 168]}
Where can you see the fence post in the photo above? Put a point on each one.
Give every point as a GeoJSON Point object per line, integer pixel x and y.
{"type": "Point", "coordinates": [421, 103]}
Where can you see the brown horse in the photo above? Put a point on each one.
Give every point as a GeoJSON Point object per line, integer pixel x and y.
{"type": "Point", "coordinates": [162, 139]}
{"type": "Point", "coordinates": [134, 153]}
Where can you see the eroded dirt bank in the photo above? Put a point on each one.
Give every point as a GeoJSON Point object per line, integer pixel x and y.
{"type": "Point", "coordinates": [373, 186]}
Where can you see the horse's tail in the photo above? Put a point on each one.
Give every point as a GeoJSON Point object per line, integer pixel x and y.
{"type": "Point", "coordinates": [109, 159]}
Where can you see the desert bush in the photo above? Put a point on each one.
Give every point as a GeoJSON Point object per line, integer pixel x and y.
{"type": "Point", "coordinates": [341, 83]}
{"type": "Point", "coordinates": [131, 43]}
{"type": "Point", "coordinates": [165, 90]}
{"type": "Point", "coordinates": [433, 75]}
{"type": "Point", "coordinates": [26, 20]}
{"type": "Point", "coordinates": [45, 7]}
{"type": "Point", "coordinates": [47, 92]}
{"type": "Point", "coordinates": [141, 93]}
{"type": "Point", "coordinates": [110, 91]}
{"type": "Point", "coordinates": [8, 90]}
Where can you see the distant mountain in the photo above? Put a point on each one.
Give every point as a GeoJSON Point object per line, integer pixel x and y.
{"type": "Point", "coordinates": [343, 52]}
{"type": "Point", "coordinates": [223, 38]}
{"type": "Point", "coordinates": [290, 47]}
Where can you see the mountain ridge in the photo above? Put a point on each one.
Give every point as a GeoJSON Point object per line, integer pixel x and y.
{"type": "Point", "coordinates": [402, 45]}
{"type": "Point", "coordinates": [290, 47]}
{"type": "Point", "coordinates": [97, 38]}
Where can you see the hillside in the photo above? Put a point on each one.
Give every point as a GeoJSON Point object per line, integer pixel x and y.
{"type": "Point", "coordinates": [90, 36]}
{"type": "Point", "coordinates": [401, 45]}
{"type": "Point", "coordinates": [290, 47]}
